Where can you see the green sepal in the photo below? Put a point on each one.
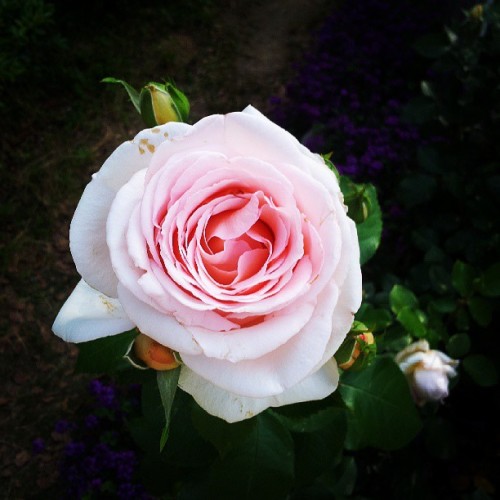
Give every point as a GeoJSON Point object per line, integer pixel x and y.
{"type": "Point", "coordinates": [180, 100]}
{"type": "Point", "coordinates": [326, 158]}
{"type": "Point", "coordinates": [167, 385]}
{"type": "Point", "coordinates": [133, 94]}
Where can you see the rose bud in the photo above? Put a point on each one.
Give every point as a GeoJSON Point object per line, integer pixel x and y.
{"type": "Point", "coordinates": [153, 354]}
{"type": "Point", "coordinates": [162, 103]}
{"type": "Point", "coordinates": [428, 371]}
{"type": "Point", "coordinates": [360, 348]}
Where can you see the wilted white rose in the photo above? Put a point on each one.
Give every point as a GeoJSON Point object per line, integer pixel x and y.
{"type": "Point", "coordinates": [428, 371]}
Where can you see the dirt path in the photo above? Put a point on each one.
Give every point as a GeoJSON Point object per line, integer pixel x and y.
{"type": "Point", "coordinates": [257, 43]}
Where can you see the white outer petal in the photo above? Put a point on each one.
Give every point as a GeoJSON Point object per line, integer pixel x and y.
{"type": "Point", "coordinates": [88, 227]}
{"type": "Point", "coordinates": [88, 315]}
{"type": "Point", "coordinates": [233, 408]}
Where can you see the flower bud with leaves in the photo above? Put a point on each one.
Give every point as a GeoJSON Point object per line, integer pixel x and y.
{"type": "Point", "coordinates": [428, 371]}
{"type": "Point", "coordinates": [157, 103]}
{"type": "Point", "coordinates": [358, 349]}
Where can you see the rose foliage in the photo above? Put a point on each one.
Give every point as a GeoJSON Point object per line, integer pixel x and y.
{"type": "Point", "coordinates": [229, 243]}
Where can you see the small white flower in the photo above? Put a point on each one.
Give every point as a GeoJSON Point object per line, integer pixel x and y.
{"type": "Point", "coordinates": [428, 371]}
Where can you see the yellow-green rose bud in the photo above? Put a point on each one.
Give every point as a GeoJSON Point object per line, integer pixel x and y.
{"type": "Point", "coordinates": [163, 103]}
{"type": "Point", "coordinates": [153, 354]}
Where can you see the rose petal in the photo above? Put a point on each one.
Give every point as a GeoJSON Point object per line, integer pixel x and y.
{"type": "Point", "coordinates": [280, 369]}
{"type": "Point", "coordinates": [234, 408]}
{"type": "Point", "coordinates": [163, 328]}
{"type": "Point", "coordinates": [88, 315]}
{"type": "Point", "coordinates": [88, 227]}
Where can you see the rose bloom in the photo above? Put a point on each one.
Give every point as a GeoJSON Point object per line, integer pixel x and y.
{"type": "Point", "coordinates": [229, 243]}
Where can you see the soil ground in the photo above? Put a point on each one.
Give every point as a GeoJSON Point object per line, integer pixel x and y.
{"type": "Point", "coordinates": [245, 57]}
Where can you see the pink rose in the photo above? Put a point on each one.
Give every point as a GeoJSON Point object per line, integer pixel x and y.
{"type": "Point", "coordinates": [228, 242]}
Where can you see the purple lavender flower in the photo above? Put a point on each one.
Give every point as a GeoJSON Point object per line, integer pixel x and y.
{"type": "Point", "coordinates": [38, 445]}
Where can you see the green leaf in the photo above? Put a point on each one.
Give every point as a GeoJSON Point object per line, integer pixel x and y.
{"type": "Point", "coordinates": [219, 433]}
{"type": "Point", "coordinates": [416, 189]}
{"type": "Point", "coordinates": [462, 278]}
{"type": "Point", "coordinates": [132, 93]}
{"type": "Point", "coordinates": [167, 385]}
{"type": "Point", "coordinates": [428, 159]}
{"type": "Point", "coordinates": [401, 297]}
{"type": "Point", "coordinates": [458, 345]}
{"type": "Point", "coordinates": [146, 108]}
{"type": "Point", "coordinates": [444, 305]}
{"type": "Point", "coordinates": [481, 310]}
{"type": "Point", "coordinates": [321, 449]}
{"type": "Point", "coordinates": [481, 369]}
{"type": "Point", "coordinates": [382, 411]}
{"type": "Point", "coordinates": [375, 319]}
{"type": "Point", "coordinates": [261, 465]}
{"type": "Point", "coordinates": [433, 45]}
{"type": "Point", "coordinates": [341, 481]}
{"type": "Point", "coordinates": [370, 231]}
{"type": "Point", "coordinates": [310, 423]}
{"type": "Point", "coordinates": [180, 100]}
{"type": "Point", "coordinates": [489, 284]}
{"type": "Point", "coordinates": [413, 321]}
{"type": "Point", "coordinates": [106, 354]}
{"type": "Point", "coordinates": [419, 110]}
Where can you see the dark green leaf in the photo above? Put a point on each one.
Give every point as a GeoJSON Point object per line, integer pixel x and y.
{"type": "Point", "coordinates": [341, 481]}
{"type": "Point", "coordinates": [370, 231]}
{"type": "Point", "coordinates": [167, 385]}
{"type": "Point", "coordinates": [401, 297]}
{"type": "Point", "coordinates": [219, 433]}
{"type": "Point", "coordinates": [258, 466]}
{"type": "Point", "coordinates": [419, 110]}
{"type": "Point", "coordinates": [428, 159]}
{"type": "Point", "coordinates": [458, 345]}
{"type": "Point", "coordinates": [444, 305]}
{"type": "Point", "coordinates": [313, 422]}
{"type": "Point", "coordinates": [481, 310]}
{"type": "Point", "coordinates": [433, 45]}
{"type": "Point", "coordinates": [321, 449]}
{"type": "Point", "coordinates": [382, 411]}
{"type": "Point", "coordinates": [481, 369]}
{"type": "Point", "coordinates": [146, 108]}
{"type": "Point", "coordinates": [180, 100]}
{"type": "Point", "coordinates": [416, 189]}
{"type": "Point", "coordinates": [375, 319]}
{"type": "Point", "coordinates": [462, 278]}
{"type": "Point", "coordinates": [490, 281]}
{"type": "Point", "coordinates": [106, 354]}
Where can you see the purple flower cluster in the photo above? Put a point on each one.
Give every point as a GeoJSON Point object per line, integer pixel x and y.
{"type": "Point", "coordinates": [349, 93]}
{"type": "Point", "coordinates": [98, 459]}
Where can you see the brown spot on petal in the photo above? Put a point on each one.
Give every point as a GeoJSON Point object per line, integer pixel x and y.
{"type": "Point", "coordinates": [155, 130]}
{"type": "Point", "coordinates": [107, 304]}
